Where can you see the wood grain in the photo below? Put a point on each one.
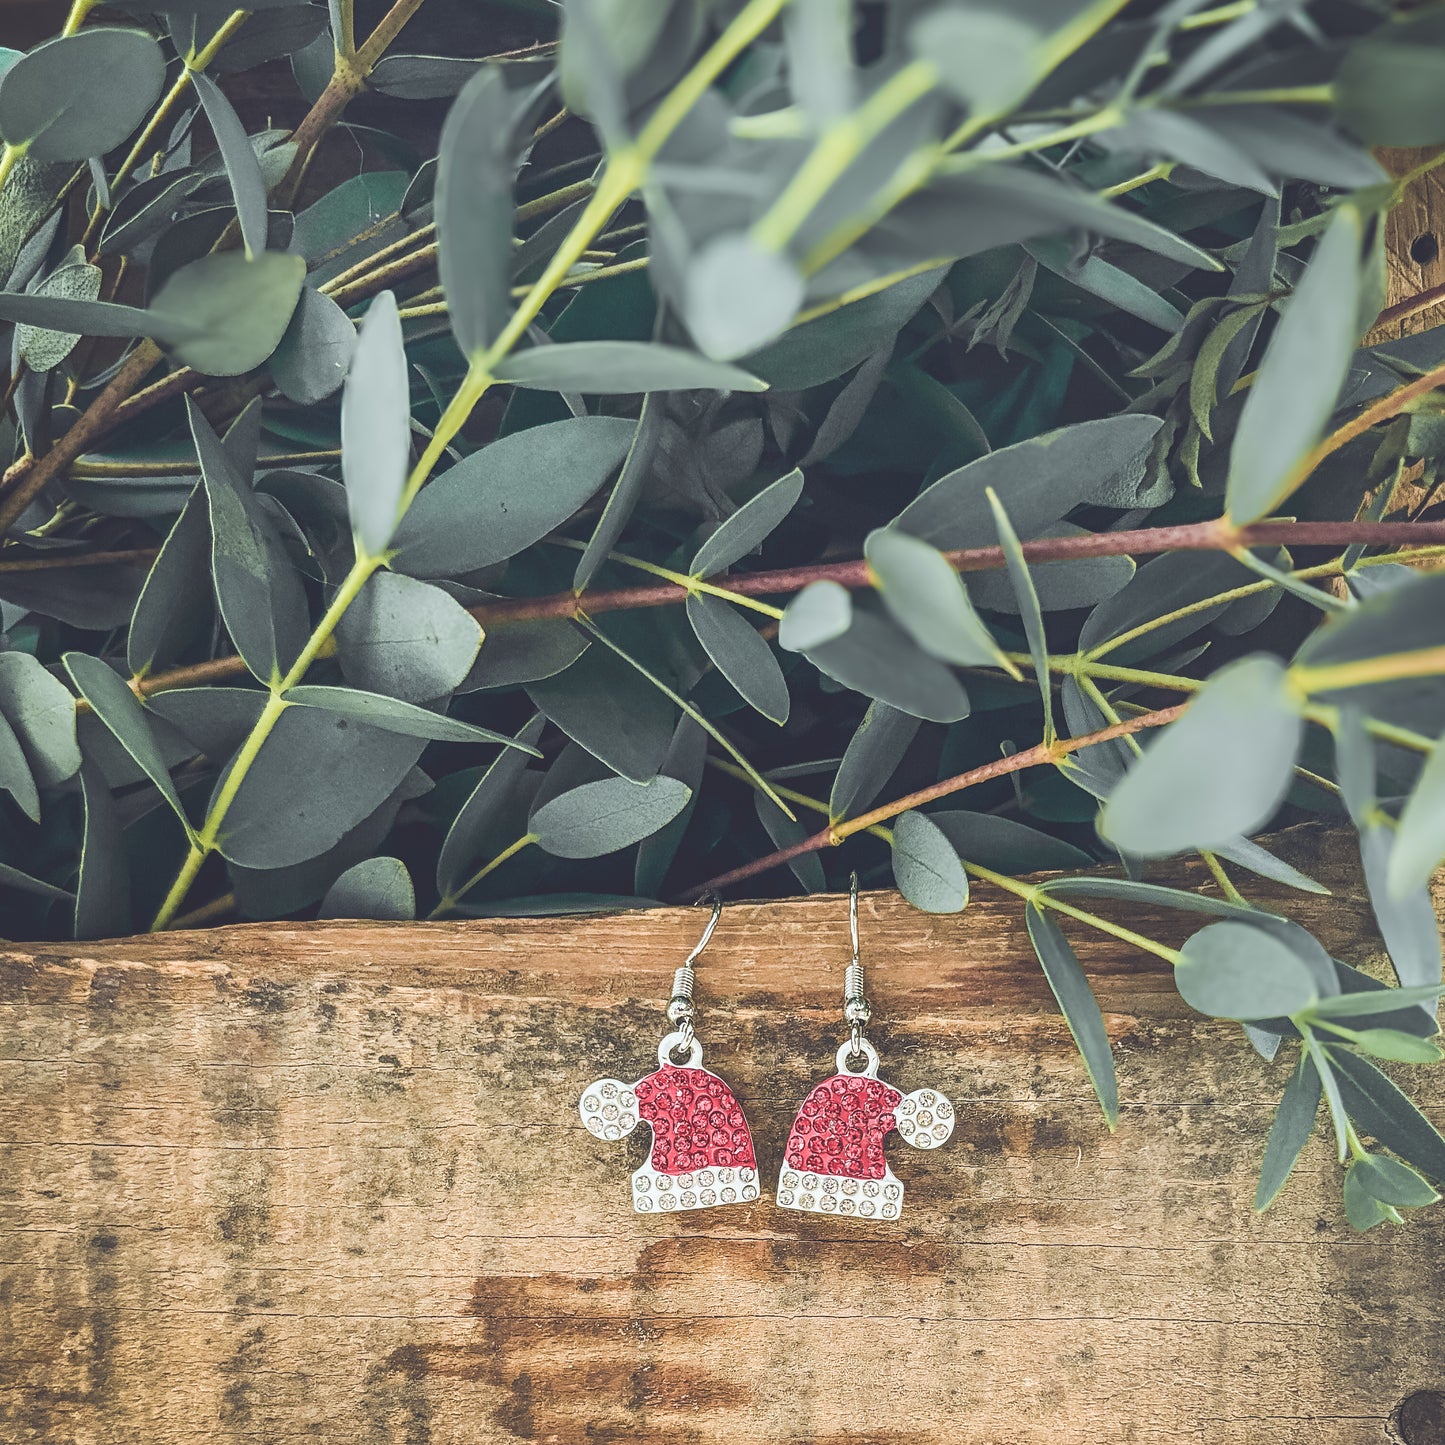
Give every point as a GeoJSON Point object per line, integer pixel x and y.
{"type": "Point", "coordinates": [326, 1182]}
{"type": "Point", "coordinates": [1414, 243]}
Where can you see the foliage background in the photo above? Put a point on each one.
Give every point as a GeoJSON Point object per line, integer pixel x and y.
{"type": "Point", "coordinates": [543, 483]}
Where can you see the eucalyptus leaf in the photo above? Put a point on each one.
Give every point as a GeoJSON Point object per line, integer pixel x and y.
{"type": "Point", "coordinates": [242, 167]}
{"type": "Point", "coordinates": [607, 707]}
{"type": "Point", "coordinates": [740, 296]}
{"type": "Point", "coordinates": [375, 430]}
{"type": "Point", "coordinates": [821, 612]}
{"type": "Point", "coordinates": [41, 349]}
{"type": "Point", "coordinates": [257, 589]}
{"type": "Point", "coordinates": [741, 654]}
{"type": "Point", "coordinates": [508, 495]}
{"type": "Point", "coordinates": [872, 756]}
{"type": "Point", "coordinates": [225, 314]}
{"type": "Point", "coordinates": [748, 527]}
{"type": "Point", "coordinates": [120, 710]}
{"type": "Point", "coordinates": [1301, 375]}
{"type": "Point", "coordinates": [877, 658]}
{"type": "Point", "coordinates": [626, 492]}
{"type": "Point", "coordinates": [1380, 1109]}
{"type": "Point", "coordinates": [41, 711]}
{"type": "Point", "coordinates": [474, 209]}
{"type": "Point", "coordinates": [786, 832]}
{"type": "Point", "coordinates": [1222, 769]}
{"type": "Point", "coordinates": [609, 814]}
{"type": "Point", "coordinates": [1027, 600]}
{"type": "Point", "coordinates": [15, 775]}
{"type": "Point", "coordinates": [1039, 481]}
{"type": "Point", "coordinates": [24, 883]}
{"type": "Point", "coordinates": [407, 639]}
{"type": "Point", "coordinates": [1005, 845]}
{"type": "Point", "coordinates": [102, 891]}
{"type": "Point", "coordinates": [278, 816]}
{"type": "Point", "coordinates": [1231, 970]}
{"type": "Point", "coordinates": [619, 367]}
{"type": "Point", "coordinates": [925, 867]}
{"type": "Point", "coordinates": [1419, 843]}
{"type": "Point", "coordinates": [1079, 1006]}
{"type": "Point", "coordinates": [81, 94]}
{"type": "Point", "coordinates": [1294, 1122]}
{"type": "Point", "coordinates": [925, 596]}
{"type": "Point", "coordinates": [1407, 921]}
{"type": "Point", "coordinates": [394, 715]}
{"type": "Point", "coordinates": [378, 888]}
{"type": "Point", "coordinates": [312, 358]}
{"type": "Point", "coordinates": [459, 848]}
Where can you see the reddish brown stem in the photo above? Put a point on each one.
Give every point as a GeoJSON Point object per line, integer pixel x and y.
{"type": "Point", "coordinates": [51, 561]}
{"type": "Point", "coordinates": [25, 480]}
{"type": "Point", "coordinates": [1195, 537]}
{"type": "Point", "coordinates": [1410, 306]}
{"type": "Point", "coordinates": [834, 834]}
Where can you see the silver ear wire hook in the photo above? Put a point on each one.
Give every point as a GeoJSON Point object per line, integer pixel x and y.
{"type": "Point", "coordinates": [856, 1009]}
{"type": "Point", "coordinates": [679, 1008]}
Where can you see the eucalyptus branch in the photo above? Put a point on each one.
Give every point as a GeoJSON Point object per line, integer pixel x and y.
{"type": "Point", "coordinates": [624, 173]}
{"type": "Point", "coordinates": [835, 833]}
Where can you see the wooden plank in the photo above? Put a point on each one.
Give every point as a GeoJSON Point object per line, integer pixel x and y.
{"type": "Point", "coordinates": [327, 1182]}
{"type": "Point", "coordinates": [1414, 244]}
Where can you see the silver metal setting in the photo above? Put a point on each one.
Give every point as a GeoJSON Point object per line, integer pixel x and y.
{"type": "Point", "coordinates": [833, 1194]}
{"type": "Point", "coordinates": [611, 1110]}
{"type": "Point", "coordinates": [924, 1119]}
{"type": "Point", "coordinates": [656, 1193]}
{"type": "Point", "coordinates": [853, 1048]}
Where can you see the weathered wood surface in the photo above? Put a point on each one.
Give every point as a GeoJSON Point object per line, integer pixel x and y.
{"type": "Point", "coordinates": [1414, 243]}
{"type": "Point", "coordinates": [327, 1182]}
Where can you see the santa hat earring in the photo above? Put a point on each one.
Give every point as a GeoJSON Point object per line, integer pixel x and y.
{"type": "Point", "coordinates": [834, 1161]}
{"type": "Point", "coordinates": [702, 1152]}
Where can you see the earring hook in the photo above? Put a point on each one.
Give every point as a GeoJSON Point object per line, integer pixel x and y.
{"type": "Point", "coordinates": [717, 908]}
{"type": "Point", "coordinates": [679, 1007]}
{"type": "Point", "coordinates": [856, 1009]}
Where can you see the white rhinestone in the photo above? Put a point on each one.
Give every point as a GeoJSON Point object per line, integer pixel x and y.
{"type": "Point", "coordinates": [608, 1091]}
{"type": "Point", "coordinates": [589, 1103]}
{"type": "Point", "coordinates": [628, 1122]}
{"type": "Point", "coordinates": [805, 1201]}
{"type": "Point", "coordinates": [927, 1097]}
{"type": "Point", "coordinates": [866, 1207]}
{"type": "Point", "coordinates": [612, 1132]}
{"type": "Point", "coordinates": [684, 1181]}
{"type": "Point", "coordinates": [870, 1188]}
{"type": "Point", "coordinates": [725, 1176]}
{"type": "Point", "coordinates": [790, 1180]}
{"type": "Point", "coordinates": [667, 1202]}
{"type": "Point", "coordinates": [850, 1186]}
{"type": "Point", "coordinates": [595, 1125]}
{"type": "Point", "coordinates": [627, 1099]}
{"type": "Point", "coordinates": [750, 1191]}
{"type": "Point", "coordinates": [940, 1131]}
{"type": "Point", "coordinates": [785, 1198]}
{"type": "Point", "coordinates": [830, 1186]}
{"type": "Point", "coordinates": [925, 1119]}
{"type": "Point", "coordinates": [709, 1196]}
{"type": "Point", "coordinates": [705, 1177]}
{"type": "Point", "coordinates": [664, 1181]}
{"type": "Point", "coordinates": [891, 1192]}
{"type": "Point", "coordinates": [810, 1181]}
{"type": "Point", "coordinates": [944, 1109]}
{"type": "Point", "coordinates": [889, 1210]}
{"type": "Point", "coordinates": [907, 1107]}
{"type": "Point", "coordinates": [828, 1203]}
{"type": "Point", "coordinates": [644, 1205]}
{"type": "Point", "coordinates": [643, 1183]}
{"type": "Point", "coordinates": [689, 1199]}
{"type": "Point", "coordinates": [729, 1195]}
{"type": "Point", "coordinates": [846, 1206]}
{"type": "Point", "coordinates": [747, 1175]}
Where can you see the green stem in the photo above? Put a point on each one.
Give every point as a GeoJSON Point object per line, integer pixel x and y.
{"type": "Point", "coordinates": [623, 174]}
{"type": "Point", "coordinates": [345, 38]}
{"type": "Point", "coordinates": [9, 159]}
{"type": "Point", "coordinates": [78, 11]}
{"type": "Point", "coordinates": [836, 149]}
{"type": "Point", "coordinates": [450, 900]}
{"type": "Point", "coordinates": [1032, 893]}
